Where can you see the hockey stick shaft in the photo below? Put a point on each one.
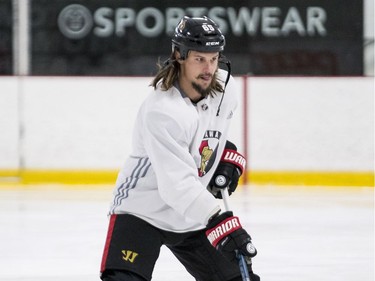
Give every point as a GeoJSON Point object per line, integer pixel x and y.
{"type": "Point", "coordinates": [241, 259]}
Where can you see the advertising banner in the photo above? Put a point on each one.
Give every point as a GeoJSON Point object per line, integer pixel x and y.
{"type": "Point", "coordinates": [264, 37]}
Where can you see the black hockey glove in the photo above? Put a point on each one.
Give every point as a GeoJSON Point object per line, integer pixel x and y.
{"type": "Point", "coordinates": [226, 234]}
{"type": "Point", "coordinates": [228, 172]}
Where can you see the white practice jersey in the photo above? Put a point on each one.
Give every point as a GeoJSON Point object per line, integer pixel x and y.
{"type": "Point", "coordinates": [176, 148]}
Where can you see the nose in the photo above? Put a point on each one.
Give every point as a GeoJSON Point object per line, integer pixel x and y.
{"type": "Point", "coordinates": [209, 66]}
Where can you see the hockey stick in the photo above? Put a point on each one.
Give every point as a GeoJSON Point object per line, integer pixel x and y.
{"type": "Point", "coordinates": [241, 259]}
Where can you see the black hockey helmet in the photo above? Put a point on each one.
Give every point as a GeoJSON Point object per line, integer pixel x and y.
{"type": "Point", "coordinates": [197, 34]}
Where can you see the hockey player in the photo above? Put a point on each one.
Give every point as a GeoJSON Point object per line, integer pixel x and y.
{"type": "Point", "coordinates": [164, 192]}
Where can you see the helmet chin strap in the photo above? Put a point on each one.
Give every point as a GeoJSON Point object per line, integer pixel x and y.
{"type": "Point", "coordinates": [168, 61]}
{"type": "Point", "coordinates": [172, 58]}
{"type": "Point", "coordinates": [224, 60]}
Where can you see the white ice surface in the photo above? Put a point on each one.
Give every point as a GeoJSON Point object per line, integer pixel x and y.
{"type": "Point", "coordinates": [302, 234]}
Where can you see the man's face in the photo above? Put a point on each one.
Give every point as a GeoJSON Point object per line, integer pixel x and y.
{"type": "Point", "coordinates": [198, 70]}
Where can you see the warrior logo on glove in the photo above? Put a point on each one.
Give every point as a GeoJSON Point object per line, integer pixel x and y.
{"type": "Point", "coordinates": [228, 172]}
{"type": "Point", "coordinates": [232, 156]}
{"type": "Point", "coordinates": [226, 234]}
{"type": "Point", "coordinates": [229, 225]}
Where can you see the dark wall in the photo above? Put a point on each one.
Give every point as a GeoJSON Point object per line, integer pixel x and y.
{"type": "Point", "coordinates": [6, 52]}
{"type": "Point", "coordinates": [264, 37]}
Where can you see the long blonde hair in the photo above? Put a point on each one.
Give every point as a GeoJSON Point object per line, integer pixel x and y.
{"type": "Point", "coordinates": [169, 71]}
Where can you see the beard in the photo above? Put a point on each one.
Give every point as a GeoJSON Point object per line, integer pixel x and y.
{"type": "Point", "coordinates": [203, 92]}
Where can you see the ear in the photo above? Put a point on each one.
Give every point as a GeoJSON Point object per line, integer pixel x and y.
{"type": "Point", "coordinates": [178, 57]}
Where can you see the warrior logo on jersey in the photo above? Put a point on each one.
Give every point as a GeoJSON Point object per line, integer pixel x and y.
{"type": "Point", "coordinates": [208, 151]}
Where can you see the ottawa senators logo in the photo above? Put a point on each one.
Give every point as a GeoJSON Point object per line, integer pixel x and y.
{"type": "Point", "coordinates": [208, 151]}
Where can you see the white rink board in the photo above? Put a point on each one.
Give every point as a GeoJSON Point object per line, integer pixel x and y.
{"type": "Point", "coordinates": [311, 124]}
{"type": "Point", "coordinates": [9, 122]}
{"type": "Point", "coordinates": [295, 123]}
